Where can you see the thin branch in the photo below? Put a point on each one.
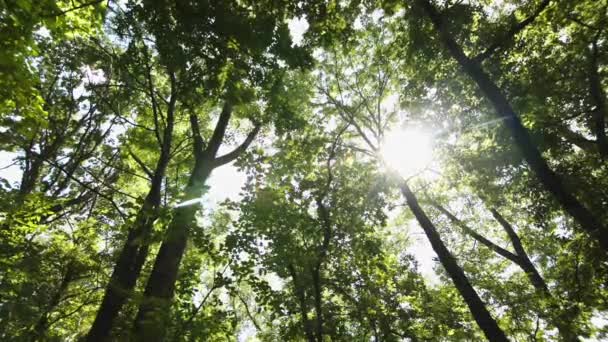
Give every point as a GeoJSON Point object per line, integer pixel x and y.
{"type": "Point", "coordinates": [86, 4]}
{"type": "Point", "coordinates": [511, 33]}
{"type": "Point", "coordinates": [141, 163]}
{"type": "Point", "coordinates": [253, 320]}
{"type": "Point", "coordinates": [86, 186]}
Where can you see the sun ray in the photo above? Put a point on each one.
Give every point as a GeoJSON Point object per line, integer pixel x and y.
{"type": "Point", "coordinates": [407, 151]}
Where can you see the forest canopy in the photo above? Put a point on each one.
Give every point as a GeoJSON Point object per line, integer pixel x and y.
{"type": "Point", "coordinates": [278, 170]}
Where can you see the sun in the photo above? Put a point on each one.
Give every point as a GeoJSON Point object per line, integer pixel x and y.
{"type": "Point", "coordinates": [407, 151]}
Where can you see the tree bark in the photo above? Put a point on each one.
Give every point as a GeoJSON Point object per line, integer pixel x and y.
{"type": "Point", "coordinates": [127, 269]}
{"type": "Point", "coordinates": [151, 320]}
{"type": "Point", "coordinates": [152, 315]}
{"type": "Point", "coordinates": [599, 100]}
{"type": "Point", "coordinates": [550, 180]}
{"type": "Point", "coordinates": [524, 260]}
{"type": "Point", "coordinates": [480, 313]}
{"type": "Point", "coordinates": [316, 279]}
{"type": "Point", "coordinates": [564, 326]}
{"type": "Point", "coordinates": [302, 304]}
{"type": "Point", "coordinates": [135, 250]}
{"type": "Point", "coordinates": [326, 224]}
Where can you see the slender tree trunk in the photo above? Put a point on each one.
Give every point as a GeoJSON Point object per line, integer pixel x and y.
{"type": "Point", "coordinates": [326, 224]}
{"type": "Point", "coordinates": [599, 100]}
{"type": "Point", "coordinates": [550, 180]}
{"type": "Point", "coordinates": [480, 313]}
{"type": "Point", "coordinates": [522, 260]}
{"type": "Point", "coordinates": [556, 316]}
{"type": "Point", "coordinates": [316, 278]}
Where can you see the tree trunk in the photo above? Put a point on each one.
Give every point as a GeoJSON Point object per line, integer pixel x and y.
{"type": "Point", "coordinates": [151, 319]}
{"type": "Point", "coordinates": [302, 304]}
{"type": "Point", "coordinates": [564, 326]}
{"type": "Point", "coordinates": [480, 313]}
{"type": "Point", "coordinates": [127, 269]}
{"type": "Point", "coordinates": [550, 180]}
{"type": "Point", "coordinates": [599, 100]}
{"type": "Point", "coordinates": [316, 278]}
{"type": "Point", "coordinates": [135, 250]}
{"type": "Point", "coordinates": [522, 260]}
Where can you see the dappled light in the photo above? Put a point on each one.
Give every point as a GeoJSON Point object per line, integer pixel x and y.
{"type": "Point", "coordinates": [262, 170]}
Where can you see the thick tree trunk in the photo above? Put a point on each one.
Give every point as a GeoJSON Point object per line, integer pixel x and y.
{"type": "Point", "coordinates": [550, 180]}
{"type": "Point", "coordinates": [127, 269]}
{"type": "Point", "coordinates": [302, 304]}
{"type": "Point", "coordinates": [135, 250]}
{"type": "Point", "coordinates": [30, 177]}
{"type": "Point", "coordinates": [151, 319]}
{"type": "Point", "coordinates": [478, 309]}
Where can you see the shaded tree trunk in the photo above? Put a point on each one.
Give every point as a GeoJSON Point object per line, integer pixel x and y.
{"type": "Point", "coordinates": [135, 250]}
{"type": "Point", "coordinates": [480, 313]}
{"type": "Point", "coordinates": [316, 280]}
{"type": "Point", "coordinates": [556, 316]}
{"type": "Point", "coordinates": [151, 317]}
{"type": "Point", "coordinates": [302, 304]}
{"type": "Point", "coordinates": [126, 270]}
{"type": "Point", "coordinates": [522, 260]}
{"type": "Point", "coordinates": [326, 224]}
{"type": "Point", "coordinates": [599, 100]}
{"type": "Point", "coordinates": [550, 180]}
{"type": "Point", "coordinates": [151, 320]}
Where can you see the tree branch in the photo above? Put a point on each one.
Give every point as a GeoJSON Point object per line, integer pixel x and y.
{"type": "Point", "coordinates": [469, 231]}
{"type": "Point", "coordinates": [140, 163]}
{"type": "Point", "coordinates": [75, 8]}
{"type": "Point", "coordinates": [511, 33]}
{"type": "Point", "coordinates": [198, 144]}
{"type": "Point", "coordinates": [219, 131]}
{"type": "Point", "coordinates": [232, 155]}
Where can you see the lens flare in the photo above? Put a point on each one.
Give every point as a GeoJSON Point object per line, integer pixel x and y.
{"type": "Point", "coordinates": [407, 151]}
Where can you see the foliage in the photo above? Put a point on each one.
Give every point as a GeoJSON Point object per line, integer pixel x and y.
{"type": "Point", "coordinates": [117, 117]}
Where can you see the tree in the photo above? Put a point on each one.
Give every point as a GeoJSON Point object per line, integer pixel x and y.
{"type": "Point", "coordinates": [551, 181]}
{"type": "Point", "coordinates": [296, 170]}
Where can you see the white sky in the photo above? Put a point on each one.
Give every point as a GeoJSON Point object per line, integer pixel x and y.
{"type": "Point", "coordinates": [11, 173]}
{"type": "Point", "coordinates": [297, 28]}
